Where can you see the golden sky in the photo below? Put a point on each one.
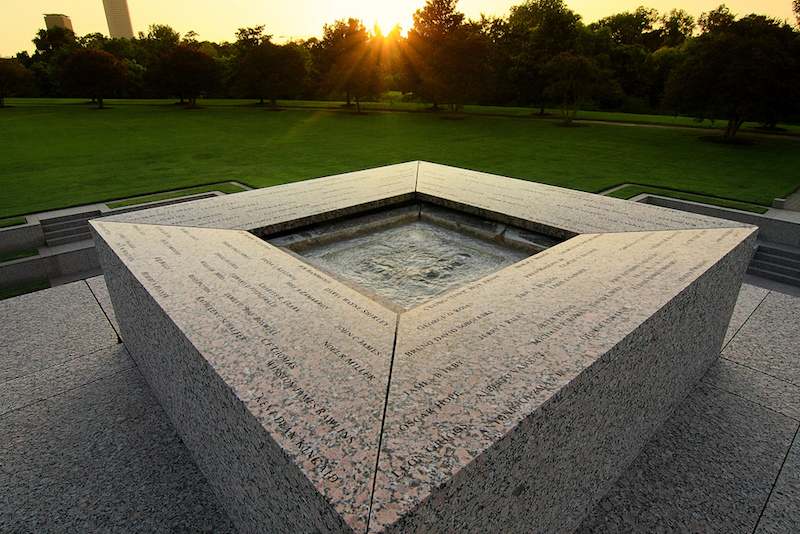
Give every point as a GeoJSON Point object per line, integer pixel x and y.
{"type": "Point", "coordinates": [299, 19]}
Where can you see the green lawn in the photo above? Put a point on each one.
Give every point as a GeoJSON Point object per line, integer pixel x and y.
{"type": "Point", "coordinates": [16, 221]}
{"type": "Point", "coordinates": [10, 256]}
{"type": "Point", "coordinates": [53, 156]}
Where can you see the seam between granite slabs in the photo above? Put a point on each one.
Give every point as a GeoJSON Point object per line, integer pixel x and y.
{"type": "Point", "coordinates": [69, 358]}
{"type": "Point", "coordinates": [761, 371]}
{"type": "Point", "coordinates": [70, 390]}
{"type": "Point", "coordinates": [777, 477]}
{"type": "Point", "coordinates": [119, 339]}
{"type": "Point", "coordinates": [715, 386]}
{"type": "Point", "coordinates": [383, 420]}
{"type": "Point", "coordinates": [760, 302]}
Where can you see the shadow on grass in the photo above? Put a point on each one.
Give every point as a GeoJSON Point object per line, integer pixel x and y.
{"type": "Point", "coordinates": [715, 139]}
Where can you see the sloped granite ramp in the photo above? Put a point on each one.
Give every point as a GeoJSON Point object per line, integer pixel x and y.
{"type": "Point", "coordinates": [511, 403]}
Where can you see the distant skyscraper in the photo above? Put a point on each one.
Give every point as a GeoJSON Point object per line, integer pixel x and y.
{"type": "Point", "coordinates": [119, 19]}
{"type": "Point", "coordinates": [52, 20]}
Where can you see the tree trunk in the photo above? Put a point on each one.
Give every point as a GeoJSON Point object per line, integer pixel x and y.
{"type": "Point", "coordinates": [733, 126]}
{"type": "Point", "coordinates": [274, 102]}
{"type": "Point", "coordinates": [99, 102]}
{"type": "Point", "coordinates": [575, 110]}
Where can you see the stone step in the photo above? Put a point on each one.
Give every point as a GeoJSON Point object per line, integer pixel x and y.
{"type": "Point", "coordinates": [785, 278]}
{"type": "Point", "coordinates": [783, 252]}
{"type": "Point", "coordinates": [776, 259]}
{"type": "Point", "coordinates": [64, 225]}
{"type": "Point", "coordinates": [83, 215]}
{"type": "Point", "coordinates": [766, 265]}
{"type": "Point", "coordinates": [82, 229]}
{"type": "Point", "coordinates": [72, 238]}
{"type": "Point", "coordinates": [68, 228]}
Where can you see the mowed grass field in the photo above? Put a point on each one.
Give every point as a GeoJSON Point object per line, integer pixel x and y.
{"type": "Point", "coordinates": [54, 156]}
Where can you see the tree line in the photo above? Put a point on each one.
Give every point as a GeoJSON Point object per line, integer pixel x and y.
{"type": "Point", "coordinates": [718, 66]}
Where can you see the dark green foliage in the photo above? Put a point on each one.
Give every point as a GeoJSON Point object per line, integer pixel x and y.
{"type": "Point", "coordinates": [450, 59]}
{"type": "Point", "coordinates": [745, 70]}
{"type": "Point", "coordinates": [96, 73]}
{"type": "Point", "coordinates": [573, 79]}
{"type": "Point", "coordinates": [14, 79]}
{"type": "Point", "coordinates": [347, 62]}
{"type": "Point", "coordinates": [185, 72]}
{"type": "Point", "coordinates": [538, 31]}
{"type": "Point", "coordinates": [268, 71]}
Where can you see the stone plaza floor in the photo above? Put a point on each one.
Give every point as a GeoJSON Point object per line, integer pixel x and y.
{"type": "Point", "coordinates": [85, 446]}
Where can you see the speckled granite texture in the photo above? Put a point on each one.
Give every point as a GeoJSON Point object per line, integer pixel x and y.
{"type": "Point", "coordinates": [84, 445]}
{"type": "Point", "coordinates": [511, 403]}
{"type": "Point", "coordinates": [727, 460]}
{"type": "Point", "coordinates": [109, 450]}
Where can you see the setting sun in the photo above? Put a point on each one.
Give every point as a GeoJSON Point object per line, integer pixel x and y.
{"type": "Point", "coordinates": [386, 15]}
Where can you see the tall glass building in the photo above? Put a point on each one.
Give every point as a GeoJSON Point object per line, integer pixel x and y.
{"type": "Point", "coordinates": [119, 19]}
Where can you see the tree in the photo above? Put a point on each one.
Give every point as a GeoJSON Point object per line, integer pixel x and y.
{"type": "Point", "coordinates": [266, 70]}
{"type": "Point", "coordinates": [347, 61]}
{"type": "Point", "coordinates": [247, 38]}
{"type": "Point", "coordinates": [677, 26]}
{"type": "Point", "coordinates": [716, 20]}
{"type": "Point", "coordinates": [96, 72]}
{"type": "Point", "coordinates": [14, 77]}
{"type": "Point", "coordinates": [186, 72]}
{"type": "Point", "coordinates": [572, 80]}
{"type": "Point", "coordinates": [54, 42]}
{"type": "Point", "coordinates": [160, 40]}
{"type": "Point", "coordinates": [745, 70]}
{"type": "Point", "coordinates": [53, 47]}
{"type": "Point", "coordinates": [637, 28]}
{"type": "Point", "coordinates": [449, 57]}
{"type": "Point", "coordinates": [539, 30]}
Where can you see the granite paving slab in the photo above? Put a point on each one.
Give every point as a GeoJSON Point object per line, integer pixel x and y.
{"type": "Point", "coordinates": [770, 341]}
{"type": "Point", "coordinates": [782, 514]}
{"type": "Point", "coordinates": [38, 329]}
{"type": "Point", "coordinates": [710, 468]}
{"type": "Point", "coordinates": [63, 377]}
{"type": "Point", "coordinates": [755, 386]}
{"type": "Point", "coordinates": [101, 458]}
{"type": "Point", "coordinates": [750, 297]}
{"type": "Point", "coordinates": [98, 286]}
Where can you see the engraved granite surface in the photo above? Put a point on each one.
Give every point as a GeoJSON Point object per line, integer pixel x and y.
{"type": "Point", "coordinates": [511, 402]}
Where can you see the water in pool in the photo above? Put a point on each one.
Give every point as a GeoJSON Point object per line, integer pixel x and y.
{"type": "Point", "coordinates": [413, 263]}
